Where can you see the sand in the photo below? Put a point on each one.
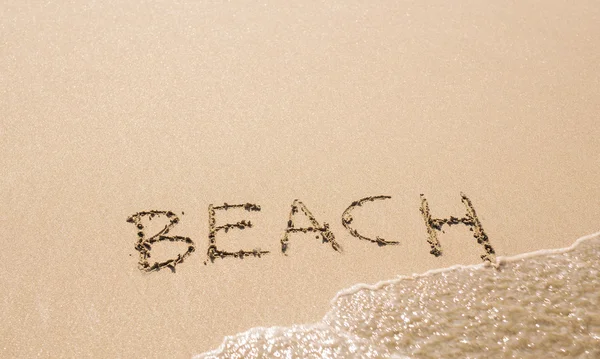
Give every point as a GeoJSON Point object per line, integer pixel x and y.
{"type": "Point", "coordinates": [109, 109]}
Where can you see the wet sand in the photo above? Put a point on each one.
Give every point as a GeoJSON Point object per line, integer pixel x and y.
{"type": "Point", "coordinates": [108, 110]}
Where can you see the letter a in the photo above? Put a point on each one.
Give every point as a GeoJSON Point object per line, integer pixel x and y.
{"type": "Point", "coordinates": [326, 234]}
{"type": "Point", "coordinates": [470, 220]}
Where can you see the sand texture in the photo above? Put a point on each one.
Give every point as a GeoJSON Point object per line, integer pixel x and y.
{"type": "Point", "coordinates": [289, 150]}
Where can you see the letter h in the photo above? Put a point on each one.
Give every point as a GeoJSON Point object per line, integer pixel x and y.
{"type": "Point", "coordinates": [470, 220]}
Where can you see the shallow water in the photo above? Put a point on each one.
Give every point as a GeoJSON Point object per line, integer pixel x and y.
{"type": "Point", "coordinates": [538, 305]}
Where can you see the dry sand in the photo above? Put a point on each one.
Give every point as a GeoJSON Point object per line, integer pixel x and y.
{"type": "Point", "coordinates": [112, 108]}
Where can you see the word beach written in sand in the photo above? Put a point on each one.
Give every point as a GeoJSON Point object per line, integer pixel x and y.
{"type": "Point", "coordinates": [434, 225]}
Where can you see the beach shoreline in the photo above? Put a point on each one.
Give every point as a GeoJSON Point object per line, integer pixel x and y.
{"type": "Point", "coordinates": [258, 342]}
{"type": "Point", "coordinates": [373, 121]}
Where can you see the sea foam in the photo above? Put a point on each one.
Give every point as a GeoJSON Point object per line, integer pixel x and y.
{"type": "Point", "coordinates": [540, 304]}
